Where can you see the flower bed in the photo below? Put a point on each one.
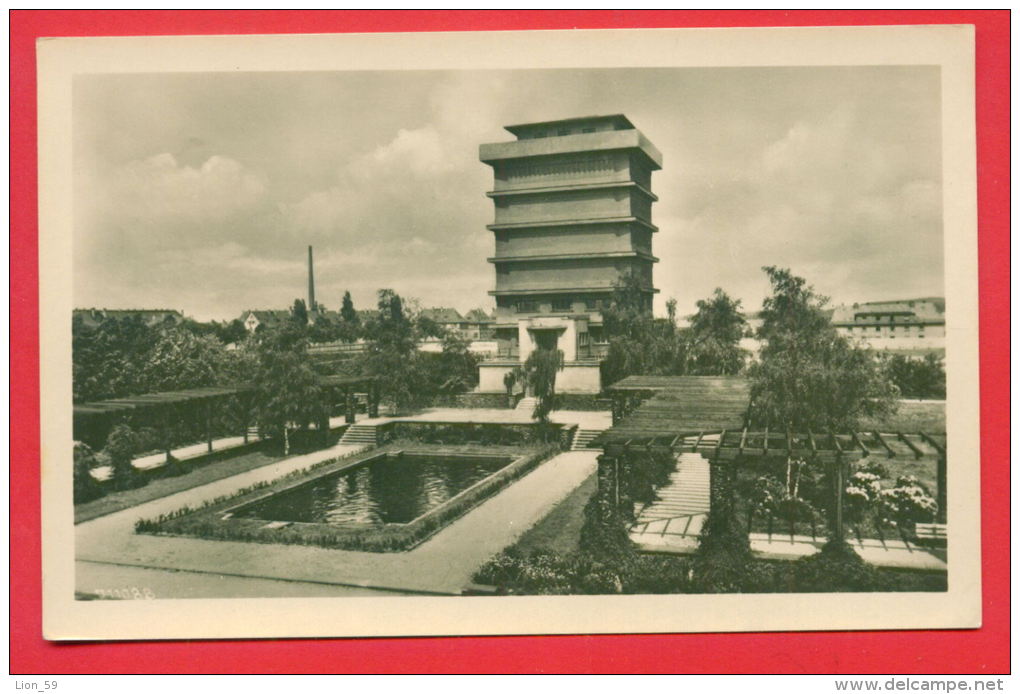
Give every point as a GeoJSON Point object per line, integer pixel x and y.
{"type": "Point", "coordinates": [208, 522]}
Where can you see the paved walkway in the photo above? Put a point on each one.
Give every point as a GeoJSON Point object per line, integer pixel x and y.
{"type": "Point", "coordinates": [585, 420]}
{"type": "Point", "coordinates": [442, 564]}
{"type": "Point", "coordinates": [194, 450]}
{"type": "Point", "coordinates": [891, 554]}
{"type": "Point", "coordinates": [673, 522]}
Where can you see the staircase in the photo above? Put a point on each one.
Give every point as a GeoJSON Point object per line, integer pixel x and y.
{"type": "Point", "coordinates": [685, 494]}
{"type": "Point", "coordinates": [527, 405]}
{"type": "Point", "coordinates": [674, 520]}
{"type": "Point", "coordinates": [360, 435]}
{"type": "Point", "coordinates": [583, 437]}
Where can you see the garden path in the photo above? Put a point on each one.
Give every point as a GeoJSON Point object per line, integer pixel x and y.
{"type": "Point", "coordinates": [443, 564]}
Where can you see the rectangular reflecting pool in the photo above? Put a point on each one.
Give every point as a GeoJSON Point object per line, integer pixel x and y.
{"type": "Point", "coordinates": [393, 488]}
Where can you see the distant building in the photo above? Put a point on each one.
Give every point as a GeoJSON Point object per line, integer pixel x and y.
{"type": "Point", "coordinates": [253, 320]}
{"type": "Point", "coordinates": [92, 317]}
{"type": "Point", "coordinates": [476, 325]}
{"type": "Point", "coordinates": [912, 325]}
{"type": "Point", "coordinates": [573, 220]}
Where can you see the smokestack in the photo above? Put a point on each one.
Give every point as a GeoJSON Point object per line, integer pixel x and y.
{"type": "Point", "coordinates": [311, 283]}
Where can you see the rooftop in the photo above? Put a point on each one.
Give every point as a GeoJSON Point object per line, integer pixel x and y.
{"type": "Point", "coordinates": [617, 120]}
{"type": "Point", "coordinates": [681, 405]}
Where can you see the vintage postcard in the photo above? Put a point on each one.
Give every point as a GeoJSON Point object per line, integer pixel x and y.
{"type": "Point", "coordinates": [543, 332]}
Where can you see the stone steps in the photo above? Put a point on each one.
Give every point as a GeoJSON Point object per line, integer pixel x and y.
{"type": "Point", "coordinates": [683, 498]}
{"type": "Point", "coordinates": [583, 437]}
{"type": "Point", "coordinates": [527, 405]}
{"type": "Point", "coordinates": [360, 434]}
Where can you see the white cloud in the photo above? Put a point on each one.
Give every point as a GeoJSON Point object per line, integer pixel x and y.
{"type": "Point", "coordinates": [160, 190]}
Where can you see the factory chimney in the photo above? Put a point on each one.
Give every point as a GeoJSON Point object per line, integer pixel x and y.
{"type": "Point", "coordinates": [311, 284]}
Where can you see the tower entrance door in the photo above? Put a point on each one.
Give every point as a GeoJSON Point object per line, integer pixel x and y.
{"type": "Point", "coordinates": [546, 339]}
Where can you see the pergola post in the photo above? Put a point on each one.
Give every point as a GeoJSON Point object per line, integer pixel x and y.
{"type": "Point", "coordinates": [608, 487]}
{"type": "Point", "coordinates": [242, 400]}
{"type": "Point", "coordinates": [940, 489]}
{"type": "Point", "coordinates": [207, 411]}
{"type": "Point", "coordinates": [837, 474]}
{"type": "Point", "coordinates": [625, 497]}
{"type": "Point", "coordinates": [373, 399]}
{"type": "Point", "coordinates": [348, 405]}
{"type": "Point", "coordinates": [168, 412]}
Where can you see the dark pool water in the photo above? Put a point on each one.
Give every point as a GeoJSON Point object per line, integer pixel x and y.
{"type": "Point", "coordinates": [389, 489]}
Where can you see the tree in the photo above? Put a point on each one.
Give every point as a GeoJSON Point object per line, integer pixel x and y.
{"type": "Point", "coordinates": [299, 312]}
{"type": "Point", "coordinates": [288, 391]}
{"type": "Point", "coordinates": [918, 378]}
{"type": "Point", "coordinates": [455, 369]}
{"type": "Point", "coordinates": [107, 359]}
{"type": "Point", "coordinates": [393, 357]}
{"type": "Point", "coordinates": [121, 446]}
{"type": "Point", "coordinates": [232, 333]}
{"type": "Point", "coordinates": [809, 377]}
{"type": "Point", "coordinates": [86, 487]}
{"type": "Point", "coordinates": [347, 311]}
{"type": "Point", "coordinates": [179, 360]}
{"type": "Point", "coordinates": [671, 311]}
{"type": "Point", "coordinates": [713, 341]}
{"type": "Point", "coordinates": [540, 371]}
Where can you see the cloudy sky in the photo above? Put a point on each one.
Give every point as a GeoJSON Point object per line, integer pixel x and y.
{"type": "Point", "coordinates": [201, 191]}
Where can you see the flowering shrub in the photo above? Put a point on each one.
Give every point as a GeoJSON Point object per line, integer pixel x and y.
{"type": "Point", "coordinates": [764, 493]}
{"type": "Point", "coordinates": [863, 490]}
{"type": "Point", "coordinates": [907, 503]}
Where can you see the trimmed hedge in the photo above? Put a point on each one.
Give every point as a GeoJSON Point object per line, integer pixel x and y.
{"type": "Point", "coordinates": [461, 433]}
{"type": "Point", "coordinates": [207, 523]}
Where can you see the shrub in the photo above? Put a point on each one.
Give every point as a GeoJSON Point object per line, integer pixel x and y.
{"type": "Point", "coordinates": [603, 532]}
{"type": "Point", "coordinates": [649, 471]}
{"type": "Point", "coordinates": [86, 487]}
{"type": "Point", "coordinates": [835, 569]}
{"type": "Point", "coordinates": [121, 445]}
{"type": "Point", "coordinates": [907, 503]}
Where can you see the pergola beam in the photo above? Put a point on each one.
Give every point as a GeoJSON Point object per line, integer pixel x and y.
{"type": "Point", "coordinates": [878, 437]}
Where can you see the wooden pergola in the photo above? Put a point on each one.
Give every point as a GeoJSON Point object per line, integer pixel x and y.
{"type": "Point", "coordinates": [709, 415]}
{"type": "Point", "coordinates": [94, 420]}
{"type": "Point", "coordinates": [346, 387]}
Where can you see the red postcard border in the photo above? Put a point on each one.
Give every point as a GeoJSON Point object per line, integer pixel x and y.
{"type": "Point", "coordinates": [984, 650]}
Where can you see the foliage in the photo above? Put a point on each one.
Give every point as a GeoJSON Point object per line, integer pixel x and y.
{"type": "Point", "coordinates": [809, 376]}
{"type": "Point", "coordinates": [86, 487]}
{"type": "Point", "coordinates": [642, 344]}
{"type": "Point", "coordinates": [603, 532]}
{"type": "Point", "coordinates": [349, 328]}
{"type": "Point", "coordinates": [455, 369]}
{"type": "Point", "coordinates": [649, 470]}
{"type": "Point", "coordinates": [299, 312]}
{"type": "Point", "coordinates": [178, 359]}
{"type": "Point", "coordinates": [918, 378]}
{"type": "Point", "coordinates": [121, 446]}
{"type": "Point", "coordinates": [288, 392]}
{"type": "Point", "coordinates": [907, 503]}
{"type": "Point", "coordinates": [124, 356]}
{"type": "Point", "coordinates": [835, 569]}
{"type": "Point", "coordinates": [540, 371]}
{"type": "Point", "coordinates": [714, 337]}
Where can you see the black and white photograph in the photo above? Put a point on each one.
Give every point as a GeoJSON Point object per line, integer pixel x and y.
{"type": "Point", "coordinates": [536, 332]}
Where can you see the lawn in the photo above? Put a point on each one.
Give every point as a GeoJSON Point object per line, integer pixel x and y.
{"type": "Point", "coordinates": [911, 417]}
{"type": "Point", "coordinates": [159, 487]}
{"type": "Point", "coordinates": [560, 531]}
